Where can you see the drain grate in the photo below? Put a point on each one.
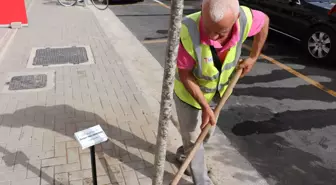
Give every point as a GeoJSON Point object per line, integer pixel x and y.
{"type": "Point", "coordinates": [57, 56]}
{"type": "Point", "coordinates": [25, 82]}
{"type": "Point", "coordinates": [60, 56]}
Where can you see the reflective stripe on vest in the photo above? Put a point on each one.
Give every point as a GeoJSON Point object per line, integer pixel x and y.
{"type": "Point", "coordinates": [204, 89]}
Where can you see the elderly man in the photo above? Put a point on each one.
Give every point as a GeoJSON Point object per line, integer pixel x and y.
{"type": "Point", "coordinates": [210, 48]}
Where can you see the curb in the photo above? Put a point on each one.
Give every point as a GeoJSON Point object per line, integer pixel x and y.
{"type": "Point", "coordinates": [5, 41]}
{"type": "Point", "coordinates": [10, 34]}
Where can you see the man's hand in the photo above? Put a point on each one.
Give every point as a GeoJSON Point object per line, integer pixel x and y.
{"type": "Point", "coordinates": [208, 117]}
{"type": "Point", "coordinates": [246, 65]}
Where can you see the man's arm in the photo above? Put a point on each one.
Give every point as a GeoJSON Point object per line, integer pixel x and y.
{"type": "Point", "coordinates": [185, 64]}
{"type": "Point", "coordinates": [189, 82]}
{"type": "Point", "coordinates": [260, 36]}
{"type": "Point", "coordinates": [259, 40]}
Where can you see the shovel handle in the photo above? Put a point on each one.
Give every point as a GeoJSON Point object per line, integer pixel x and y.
{"type": "Point", "coordinates": [205, 131]}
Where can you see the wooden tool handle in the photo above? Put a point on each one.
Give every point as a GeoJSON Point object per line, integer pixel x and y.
{"type": "Point", "coordinates": [205, 131]}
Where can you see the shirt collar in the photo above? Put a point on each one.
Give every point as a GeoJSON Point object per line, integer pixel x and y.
{"type": "Point", "coordinates": [233, 40]}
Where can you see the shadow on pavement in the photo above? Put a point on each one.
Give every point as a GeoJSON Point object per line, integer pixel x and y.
{"type": "Point", "coordinates": [162, 31]}
{"type": "Point", "coordinates": [63, 121]}
{"type": "Point", "coordinates": [288, 120]}
{"type": "Point", "coordinates": [302, 92]}
{"type": "Point", "coordinates": [155, 38]}
{"type": "Point", "coordinates": [276, 144]}
{"type": "Point", "coordinates": [22, 160]}
{"type": "Point", "coordinates": [290, 53]}
{"type": "Point", "coordinates": [190, 11]}
{"type": "Point", "coordinates": [275, 75]}
{"type": "Point", "coordinates": [262, 136]}
{"type": "Point", "coordinates": [275, 159]}
{"type": "Point", "coordinates": [124, 2]}
{"type": "Point", "coordinates": [280, 84]}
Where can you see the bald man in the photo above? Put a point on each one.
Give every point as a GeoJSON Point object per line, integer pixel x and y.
{"type": "Point", "coordinates": [209, 51]}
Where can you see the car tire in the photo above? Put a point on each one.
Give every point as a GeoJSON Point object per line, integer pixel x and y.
{"type": "Point", "coordinates": [320, 44]}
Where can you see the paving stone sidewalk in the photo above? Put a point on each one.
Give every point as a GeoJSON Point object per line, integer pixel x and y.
{"type": "Point", "coordinates": [37, 125]}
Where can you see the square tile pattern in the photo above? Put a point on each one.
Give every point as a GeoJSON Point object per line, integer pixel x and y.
{"type": "Point", "coordinates": [27, 82]}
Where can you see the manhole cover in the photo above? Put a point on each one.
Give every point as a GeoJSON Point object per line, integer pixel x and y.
{"type": "Point", "coordinates": [27, 82]}
{"type": "Point", "coordinates": [57, 56]}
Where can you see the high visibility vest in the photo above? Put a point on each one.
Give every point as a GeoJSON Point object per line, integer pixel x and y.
{"type": "Point", "coordinates": [208, 77]}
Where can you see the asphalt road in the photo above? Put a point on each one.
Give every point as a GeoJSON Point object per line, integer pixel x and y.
{"type": "Point", "coordinates": [281, 117]}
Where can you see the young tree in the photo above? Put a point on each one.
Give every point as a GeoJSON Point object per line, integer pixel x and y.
{"type": "Point", "coordinates": [167, 88]}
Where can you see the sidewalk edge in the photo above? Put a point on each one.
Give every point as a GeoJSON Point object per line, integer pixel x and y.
{"type": "Point", "coordinates": [6, 41]}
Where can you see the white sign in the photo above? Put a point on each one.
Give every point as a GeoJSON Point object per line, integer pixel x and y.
{"type": "Point", "coordinates": [91, 136]}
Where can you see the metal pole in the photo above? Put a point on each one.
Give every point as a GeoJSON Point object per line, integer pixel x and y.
{"type": "Point", "coordinates": [167, 89]}
{"type": "Point", "coordinates": [93, 165]}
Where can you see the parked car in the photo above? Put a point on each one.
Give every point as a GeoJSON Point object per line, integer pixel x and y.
{"type": "Point", "coordinates": [312, 22]}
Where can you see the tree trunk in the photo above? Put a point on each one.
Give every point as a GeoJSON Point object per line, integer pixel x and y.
{"type": "Point", "coordinates": [167, 89]}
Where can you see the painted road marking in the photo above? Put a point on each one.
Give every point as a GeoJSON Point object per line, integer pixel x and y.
{"type": "Point", "coordinates": [296, 73]}
{"type": "Point", "coordinates": [270, 59]}
{"type": "Point", "coordinates": [162, 4]}
{"type": "Point", "coordinates": [154, 41]}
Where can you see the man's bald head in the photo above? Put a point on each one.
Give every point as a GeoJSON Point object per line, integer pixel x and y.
{"type": "Point", "coordinates": [219, 8]}
{"type": "Point", "coordinates": [218, 17]}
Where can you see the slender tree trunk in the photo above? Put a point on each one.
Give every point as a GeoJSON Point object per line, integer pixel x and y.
{"type": "Point", "coordinates": [167, 89]}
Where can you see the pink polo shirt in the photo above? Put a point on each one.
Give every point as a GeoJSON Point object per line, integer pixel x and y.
{"type": "Point", "coordinates": [185, 61]}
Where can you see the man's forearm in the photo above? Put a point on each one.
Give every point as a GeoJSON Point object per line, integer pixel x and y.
{"type": "Point", "coordinates": [259, 40]}
{"type": "Point", "coordinates": [190, 84]}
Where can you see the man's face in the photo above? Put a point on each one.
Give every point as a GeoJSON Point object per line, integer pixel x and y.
{"type": "Point", "coordinates": [217, 31]}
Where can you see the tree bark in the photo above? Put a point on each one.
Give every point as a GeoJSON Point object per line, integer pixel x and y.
{"type": "Point", "coordinates": [167, 89]}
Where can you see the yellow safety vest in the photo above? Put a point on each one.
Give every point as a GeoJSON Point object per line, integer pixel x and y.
{"type": "Point", "coordinates": [208, 77]}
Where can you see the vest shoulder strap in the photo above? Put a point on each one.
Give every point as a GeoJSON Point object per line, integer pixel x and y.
{"type": "Point", "coordinates": [245, 21]}
{"type": "Point", "coordinates": [190, 35]}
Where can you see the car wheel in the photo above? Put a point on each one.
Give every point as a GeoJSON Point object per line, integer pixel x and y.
{"type": "Point", "coordinates": [320, 44]}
